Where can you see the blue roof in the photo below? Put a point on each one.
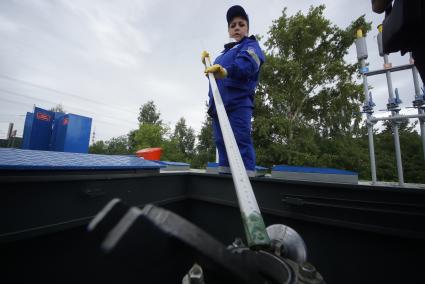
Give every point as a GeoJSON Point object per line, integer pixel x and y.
{"type": "Point", "coordinates": [215, 165]}
{"type": "Point", "coordinates": [285, 168]}
{"type": "Point", "coordinates": [260, 168]}
{"type": "Point", "coordinates": [212, 165]}
{"type": "Point", "coordinates": [17, 159]}
{"type": "Point", "coordinates": [167, 163]}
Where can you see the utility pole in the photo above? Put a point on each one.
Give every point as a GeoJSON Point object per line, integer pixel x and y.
{"type": "Point", "coordinates": [93, 136]}
{"type": "Point", "coordinates": [9, 134]}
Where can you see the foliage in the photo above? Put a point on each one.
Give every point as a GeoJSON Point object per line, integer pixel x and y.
{"type": "Point", "coordinates": [184, 137]}
{"type": "Point", "coordinates": [132, 144]}
{"type": "Point", "coordinates": [307, 91]}
{"type": "Point", "coordinates": [148, 114]}
{"type": "Point", "coordinates": [149, 135]}
{"type": "Point", "coordinates": [205, 149]}
{"type": "Point", "coordinates": [114, 146]}
{"type": "Point", "coordinates": [58, 108]}
{"type": "Point", "coordinates": [177, 145]}
{"type": "Point", "coordinates": [98, 147]}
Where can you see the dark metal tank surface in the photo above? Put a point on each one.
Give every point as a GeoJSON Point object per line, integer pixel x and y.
{"type": "Point", "coordinates": [353, 233]}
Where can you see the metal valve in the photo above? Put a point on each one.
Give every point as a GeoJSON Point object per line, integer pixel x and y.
{"type": "Point", "coordinates": [419, 101]}
{"type": "Point", "coordinates": [368, 105]}
{"type": "Point", "coordinates": [394, 103]}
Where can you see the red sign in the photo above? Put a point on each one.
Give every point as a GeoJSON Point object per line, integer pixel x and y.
{"type": "Point", "coordinates": [65, 121]}
{"type": "Point", "coordinates": [43, 116]}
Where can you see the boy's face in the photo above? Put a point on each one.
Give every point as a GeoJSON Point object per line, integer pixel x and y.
{"type": "Point", "coordinates": [238, 28]}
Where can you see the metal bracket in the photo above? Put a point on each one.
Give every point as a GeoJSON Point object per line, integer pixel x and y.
{"type": "Point", "coordinates": [369, 104]}
{"type": "Point", "coordinates": [419, 101]}
{"type": "Point", "coordinates": [394, 103]}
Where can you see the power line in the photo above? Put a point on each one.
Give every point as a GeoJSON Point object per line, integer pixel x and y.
{"type": "Point", "coordinates": [49, 101]}
{"type": "Point", "coordinates": [11, 114]}
{"type": "Point", "coordinates": [60, 92]}
{"type": "Point", "coordinates": [96, 119]}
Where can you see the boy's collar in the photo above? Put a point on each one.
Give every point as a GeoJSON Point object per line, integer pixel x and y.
{"type": "Point", "coordinates": [232, 44]}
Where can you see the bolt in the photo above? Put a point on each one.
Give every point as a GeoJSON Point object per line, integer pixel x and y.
{"type": "Point", "coordinates": [307, 270]}
{"type": "Point", "coordinates": [196, 276]}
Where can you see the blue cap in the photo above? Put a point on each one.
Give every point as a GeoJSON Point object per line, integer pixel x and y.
{"type": "Point", "coordinates": [236, 11]}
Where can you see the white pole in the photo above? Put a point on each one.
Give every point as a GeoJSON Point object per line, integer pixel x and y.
{"type": "Point", "coordinates": [420, 110]}
{"type": "Point", "coordinates": [252, 220]}
{"type": "Point", "coordinates": [369, 127]}
{"type": "Point", "coordinates": [362, 55]}
{"type": "Point", "coordinates": [395, 126]}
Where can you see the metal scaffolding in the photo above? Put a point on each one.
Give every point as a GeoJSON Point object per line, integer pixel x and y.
{"type": "Point", "coordinates": [393, 104]}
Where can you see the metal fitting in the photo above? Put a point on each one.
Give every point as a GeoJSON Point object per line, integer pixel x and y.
{"type": "Point", "coordinates": [367, 109]}
{"type": "Point", "coordinates": [419, 101]}
{"type": "Point", "coordinates": [287, 243]}
{"type": "Point", "coordinates": [194, 276]}
{"type": "Point", "coordinates": [368, 105]}
{"type": "Point", "coordinates": [393, 103]}
{"type": "Point", "coordinates": [369, 121]}
{"type": "Point", "coordinates": [307, 270]}
{"type": "Point", "coordinates": [391, 106]}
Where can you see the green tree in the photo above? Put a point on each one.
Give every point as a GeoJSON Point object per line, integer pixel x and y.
{"type": "Point", "coordinates": [149, 114]}
{"type": "Point", "coordinates": [58, 108]}
{"type": "Point", "coordinates": [172, 152]}
{"type": "Point", "coordinates": [132, 144]}
{"type": "Point", "coordinates": [98, 147]}
{"type": "Point", "coordinates": [307, 91]}
{"type": "Point", "coordinates": [158, 135]}
{"type": "Point", "coordinates": [118, 145]}
{"type": "Point", "coordinates": [149, 135]}
{"type": "Point", "coordinates": [205, 148]}
{"type": "Point", "coordinates": [184, 137]}
{"type": "Point", "coordinates": [114, 146]}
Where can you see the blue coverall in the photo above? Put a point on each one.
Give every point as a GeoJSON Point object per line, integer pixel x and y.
{"type": "Point", "coordinates": [242, 61]}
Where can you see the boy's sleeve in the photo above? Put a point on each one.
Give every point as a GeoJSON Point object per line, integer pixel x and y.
{"type": "Point", "coordinates": [247, 62]}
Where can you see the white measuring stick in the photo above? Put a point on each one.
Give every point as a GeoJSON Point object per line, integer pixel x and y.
{"type": "Point", "coordinates": [252, 220]}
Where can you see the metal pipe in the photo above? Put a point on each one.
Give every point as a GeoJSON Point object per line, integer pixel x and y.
{"type": "Point", "coordinates": [415, 77]}
{"type": "Point", "coordinates": [420, 110]}
{"type": "Point", "coordinates": [422, 125]}
{"type": "Point", "coordinates": [396, 117]}
{"type": "Point", "coordinates": [371, 153]}
{"type": "Point", "coordinates": [255, 229]}
{"type": "Point", "coordinates": [398, 156]}
{"type": "Point", "coordinates": [395, 126]}
{"type": "Point", "coordinates": [369, 127]}
{"type": "Point", "coordinates": [392, 69]}
{"type": "Point", "coordinates": [389, 80]}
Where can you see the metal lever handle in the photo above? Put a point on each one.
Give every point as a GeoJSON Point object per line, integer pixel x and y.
{"type": "Point", "coordinates": [252, 220]}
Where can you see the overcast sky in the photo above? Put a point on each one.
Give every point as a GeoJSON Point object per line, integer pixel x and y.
{"type": "Point", "coordinates": [103, 59]}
